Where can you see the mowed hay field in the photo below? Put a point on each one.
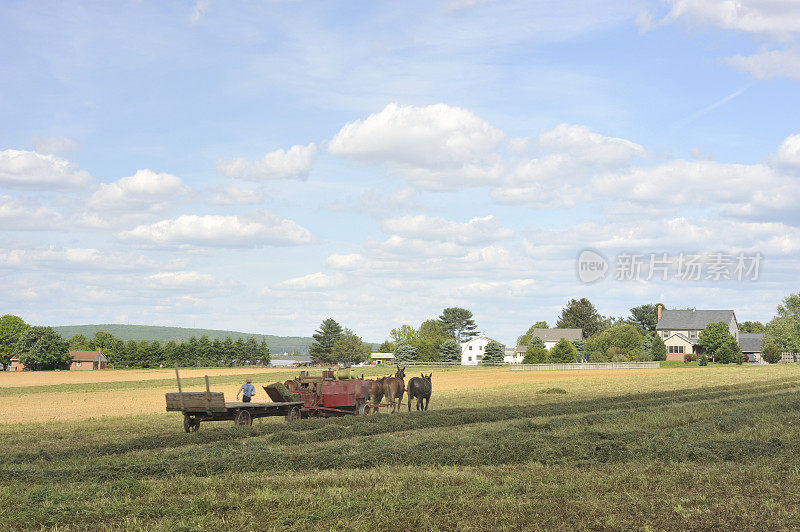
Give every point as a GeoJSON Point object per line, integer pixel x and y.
{"type": "Point", "coordinates": [671, 449]}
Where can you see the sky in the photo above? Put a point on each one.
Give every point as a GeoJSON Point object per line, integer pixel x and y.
{"type": "Point", "coordinates": [260, 166]}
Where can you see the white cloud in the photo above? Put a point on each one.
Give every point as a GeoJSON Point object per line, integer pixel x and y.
{"type": "Point", "coordinates": [409, 247]}
{"type": "Point", "coordinates": [769, 64]}
{"type": "Point", "coordinates": [199, 10]}
{"type": "Point", "coordinates": [29, 169]}
{"type": "Point", "coordinates": [789, 152]}
{"type": "Point", "coordinates": [349, 261]}
{"type": "Point", "coordinates": [54, 145]}
{"type": "Point", "coordinates": [774, 19]}
{"type": "Point", "coordinates": [143, 191]}
{"type": "Point", "coordinates": [379, 203]}
{"type": "Point", "coordinates": [590, 147]}
{"type": "Point", "coordinates": [500, 289]}
{"type": "Point", "coordinates": [235, 195]}
{"type": "Point", "coordinates": [181, 279]}
{"type": "Point", "coordinates": [477, 230]}
{"type": "Point", "coordinates": [294, 163]}
{"type": "Point", "coordinates": [219, 231]}
{"type": "Point", "coordinates": [312, 281]}
{"type": "Point", "coordinates": [81, 259]}
{"type": "Point", "coordinates": [16, 215]}
{"type": "Point", "coordinates": [435, 147]}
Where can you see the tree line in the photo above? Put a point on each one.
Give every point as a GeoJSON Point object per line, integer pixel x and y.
{"type": "Point", "coordinates": [43, 348]}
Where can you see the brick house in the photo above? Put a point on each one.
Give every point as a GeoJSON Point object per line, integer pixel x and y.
{"type": "Point", "coordinates": [81, 361]}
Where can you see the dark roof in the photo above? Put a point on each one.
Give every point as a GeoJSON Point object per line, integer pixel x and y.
{"type": "Point", "coordinates": [692, 319]}
{"type": "Point", "coordinates": [554, 335]}
{"type": "Point", "coordinates": [750, 342]}
{"type": "Point", "coordinates": [87, 356]}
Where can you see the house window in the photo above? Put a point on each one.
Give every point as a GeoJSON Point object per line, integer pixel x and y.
{"type": "Point", "coordinates": [480, 357]}
{"type": "Point", "coordinates": [676, 349]}
{"type": "Point", "coordinates": [469, 359]}
{"type": "Point", "coordinates": [77, 363]}
{"type": "Point", "coordinates": [692, 334]}
{"type": "Point", "coordinates": [666, 333]}
{"type": "Point", "coordinates": [480, 348]}
{"type": "Point", "coordinates": [470, 348]}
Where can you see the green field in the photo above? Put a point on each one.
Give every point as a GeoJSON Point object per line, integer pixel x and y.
{"type": "Point", "coordinates": [696, 448]}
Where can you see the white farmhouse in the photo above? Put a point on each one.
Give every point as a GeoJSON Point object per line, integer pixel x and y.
{"type": "Point", "coordinates": [472, 351]}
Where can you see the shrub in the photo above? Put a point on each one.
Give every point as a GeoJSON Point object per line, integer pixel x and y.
{"type": "Point", "coordinates": [563, 351]}
{"type": "Point", "coordinates": [728, 351]}
{"type": "Point", "coordinates": [704, 360]}
{"type": "Point", "coordinates": [687, 358]}
{"type": "Point", "coordinates": [555, 391]}
{"type": "Point", "coordinates": [659, 349]}
{"type": "Point", "coordinates": [450, 351]}
{"type": "Point", "coordinates": [771, 354]}
{"type": "Point", "coordinates": [535, 355]}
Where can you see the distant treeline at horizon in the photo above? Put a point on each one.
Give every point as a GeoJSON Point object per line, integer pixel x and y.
{"type": "Point", "coordinates": [277, 344]}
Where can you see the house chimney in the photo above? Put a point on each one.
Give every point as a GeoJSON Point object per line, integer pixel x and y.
{"type": "Point", "coordinates": [658, 312]}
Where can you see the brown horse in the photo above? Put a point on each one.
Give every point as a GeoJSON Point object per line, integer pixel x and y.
{"type": "Point", "coordinates": [376, 390]}
{"type": "Point", "coordinates": [394, 387]}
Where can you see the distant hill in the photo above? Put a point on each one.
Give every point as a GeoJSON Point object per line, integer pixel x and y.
{"type": "Point", "coordinates": [277, 344]}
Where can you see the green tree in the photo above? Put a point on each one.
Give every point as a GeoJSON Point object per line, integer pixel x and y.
{"type": "Point", "coordinates": [713, 337]}
{"type": "Point", "coordinates": [581, 314]}
{"type": "Point", "coordinates": [251, 350]}
{"type": "Point", "coordinates": [238, 347]}
{"type": "Point", "coordinates": [526, 338]}
{"type": "Point", "coordinates": [493, 353]}
{"type": "Point", "coordinates": [704, 360]}
{"type": "Point", "coordinates": [645, 317]}
{"type": "Point", "coordinates": [349, 348]}
{"type": "Point", "coordinates": [43, 348]}
{"type": "Point", "coordinates": [204, 353]}
{"type": "Point", "coordinates": [228, 351]}
{"type": "Point", "coordinates": [404, 353]}
{"type": "Point", "coordinates": [784, 329]}
{"type": "Point", "coordinates": [217, 351]}
{"type": "Point", "coordinates": [729, 351]}
{"type": "Point", "coordinates": [79, 342]}
{"type": "Point", "coordinates": [156, 354]}
{"type": "Point", "coordinates": [458, 323]}
{"type": "Point", "coordinates": [659, 349]}
{"type": "Point", "coordinates": [428, 340]}
{"type": "Point", "coordinates": [771, 354]}
{"type": "Point", "coordinates": [535, 355]}
{"type": "Point", "coordinates": [405, 334]}
{"type": "Point", "coordinates": [111, 346]}
{"type": "Point", "coordinates": [322, 348]}
{"type": "Point", "coordinates": [625, 338]}
{"type": "Point", "coordinates": [170, 352]}
{"type": "Point", "coordinates": [752, 327]}
{"type": "Point", "coordinates": [263, 352]}
{"type": "Point", "coordinates": [450, 351]}
{"type": "Point", "coordinates": [580, 348]}
{"type": "Point", "coordinates": [563, 351]}
{"type": "Point", "coordinates": [386, 347]}
{"type": "Point", "coordinates": [11, 328]}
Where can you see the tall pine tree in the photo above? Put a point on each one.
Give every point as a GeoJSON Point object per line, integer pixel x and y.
{"type": "Point", "coordinates": [324, 339]}
{"type": "Point", "coordinates": [458, 323]}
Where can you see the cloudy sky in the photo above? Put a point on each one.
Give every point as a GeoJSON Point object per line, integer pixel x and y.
{"type": "Point", "coordinates": [262, 165]}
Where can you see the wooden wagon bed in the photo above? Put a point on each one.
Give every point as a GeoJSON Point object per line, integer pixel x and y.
{"type": "Point", "coordinates": [211, 406]}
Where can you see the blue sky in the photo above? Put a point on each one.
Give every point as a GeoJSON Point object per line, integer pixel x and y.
{"type": "Point", "coordinates": [260, 166]}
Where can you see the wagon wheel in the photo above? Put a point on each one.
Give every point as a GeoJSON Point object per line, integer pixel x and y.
{"type": "Point", "coordinates": [364, 409]}
{"type": "Point", "coordinates": [190, 424]}
{"type": "Point", "coordinates": [293, 414]}
{"type": "Point", "coordinates": [243, 419]}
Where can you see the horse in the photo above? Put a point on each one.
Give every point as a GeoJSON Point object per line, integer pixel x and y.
{"type": "Point", "coordinates": [376, 390]}
{"type": "Point", "coordinates": [394, 387]}
{"type": "Point", "coordinates": [421, 389]}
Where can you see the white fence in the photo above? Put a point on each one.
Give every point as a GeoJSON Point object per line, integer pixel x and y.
{"type": "Point", "coordinates": [587, 365]}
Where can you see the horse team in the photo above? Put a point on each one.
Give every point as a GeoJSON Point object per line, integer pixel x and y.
{"type": "Point", "coordinates": [393, 387]}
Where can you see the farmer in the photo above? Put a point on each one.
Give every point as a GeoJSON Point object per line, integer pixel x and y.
{"type": "Point", "coordinates": [247, 390]}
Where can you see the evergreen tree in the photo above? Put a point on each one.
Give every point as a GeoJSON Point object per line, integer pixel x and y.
{"type": "Point", "coordinates": [228, 351]}
{"type": "Point", "coordinates": [238, 347]}
{"type": "Point", "coordinates": [204, 353]}
{"type": "Point", "coordinates": [563, 351]}
{"type": "Point", "coordinates": [251, 350]}
{"type": "Point", "coordinates": [658, 349]}
{"type": "Point", "coordinates": [535, 355]}
{"type": "Point", "coordinates": [217, 351]}
{"type": "Point", "coordinates": [458, 323]}
{"type": "Point", "coordinates": [771, 354]}
{"type": "Point", "coordinates": [156, 354]}
{"type": "Point", "coordinates": [493, 354]}
{"type": "Point", "coordinates": [79, 342]}
{"type": "Point", "coordinates": [581, 314]}
{"type": "Point", "coordinates": [263, 352]}
{"type": "Point", "coordinates": [450, 351]}
{"type": "Point", "coordinates": [170, 352]}
{"type": "Point", "coordinates": [404, 353]}
{"type": "Point", "coordinates": [322, 348]}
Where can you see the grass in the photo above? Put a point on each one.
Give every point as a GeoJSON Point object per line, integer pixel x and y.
{"type": "Point", "coordinates": [705, 448]}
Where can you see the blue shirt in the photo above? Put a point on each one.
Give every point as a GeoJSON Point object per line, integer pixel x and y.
{"type": "Point", "coordinates": [248, 389]}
